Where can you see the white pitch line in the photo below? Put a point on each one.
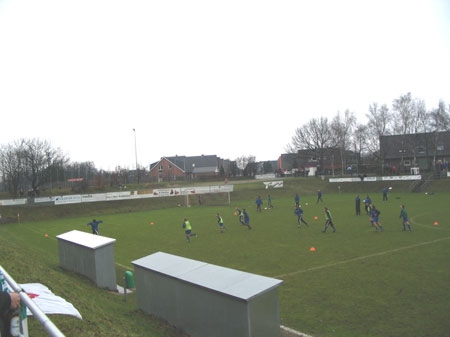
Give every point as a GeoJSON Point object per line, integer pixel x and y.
{"type": "Point", "coordinates": [362, 257]}
{"type": "Point", "coordinates": [121, 265]}
{"type": "Point", "coordinates": [301, 334]}
{"type": "Point", "coordinates": [295, 332]}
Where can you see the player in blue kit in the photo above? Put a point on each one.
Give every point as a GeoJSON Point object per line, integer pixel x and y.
{"type": "Point", "coordinates": [94, 225]}
{"type": "Point", "coordinates": [299, 212]}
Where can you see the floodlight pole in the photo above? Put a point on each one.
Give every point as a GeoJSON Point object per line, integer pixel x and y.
{"type": "Point", "coordinates": [135, 155]}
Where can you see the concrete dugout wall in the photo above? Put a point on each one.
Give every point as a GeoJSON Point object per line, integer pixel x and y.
{"type": "Point", "coordinates": [89, 255]}
{"type": "Point", "coordinates": [207, 300]}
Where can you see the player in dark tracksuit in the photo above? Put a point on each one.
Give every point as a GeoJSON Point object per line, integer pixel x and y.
{"type": "Point", "coordinates": [404, 216]}
{"type": "Point", "coordinates": [328, 220]}
{"type": "Point", "coordinates": [358, 205]}
{"type": "Point", "coordinates": [319, 196]}
{"type": "Point", "coordinates": [94, 225]}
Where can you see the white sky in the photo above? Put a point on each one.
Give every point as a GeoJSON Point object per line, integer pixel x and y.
{"type": "Point", "coordinates": [230, 78]}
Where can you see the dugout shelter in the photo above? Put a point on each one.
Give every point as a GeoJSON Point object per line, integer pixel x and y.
{"type": "Point", "coordinates": [89, 255]}
{"type": "Point", "coordinates": [207, 300]}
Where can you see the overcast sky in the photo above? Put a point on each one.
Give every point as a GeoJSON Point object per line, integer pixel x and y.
{"type": "Point", "coordinates": [230, 78]}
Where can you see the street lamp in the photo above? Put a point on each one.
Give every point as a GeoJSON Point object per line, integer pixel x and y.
{"type": "Point", "coordinates": [135, 155]}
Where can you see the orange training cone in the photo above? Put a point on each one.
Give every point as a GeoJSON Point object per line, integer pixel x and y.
{"type": "Point", "coordinates": [316, 217]}
{"type": "Point", "coordinates": [436, 223]}
{"type": "Point", "coordinates": [312, 249]}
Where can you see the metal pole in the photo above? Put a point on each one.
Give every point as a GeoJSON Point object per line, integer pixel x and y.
{"type": "Point", "coordinates": [125, 288]}
{"type": "Point", "coordinates": [51, 329]}
{"type": "Point", "coordinates": [135, 155]}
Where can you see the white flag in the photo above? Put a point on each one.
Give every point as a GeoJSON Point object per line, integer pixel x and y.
{"type": "Point", "coordinates": [48, 302]}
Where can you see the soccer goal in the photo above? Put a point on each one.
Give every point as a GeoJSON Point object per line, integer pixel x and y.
{"type": "Point", "coordinates": [208, 196]}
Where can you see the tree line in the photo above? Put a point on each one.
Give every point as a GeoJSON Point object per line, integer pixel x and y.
{"type": "Point", "coordinates": [27, 165]}
{"type": "Point", "coordinates": [406, 115]}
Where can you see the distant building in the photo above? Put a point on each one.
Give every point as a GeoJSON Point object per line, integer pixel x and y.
{"type": "Point", "coordinates": [328, 161]}
{"type": "Point", "coordinates": [202, 167]}
{"type": "Point", "coordinates": [404, 154]}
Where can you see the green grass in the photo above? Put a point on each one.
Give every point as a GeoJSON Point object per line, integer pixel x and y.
{"type": "Point", "coordinates": [356, 283]}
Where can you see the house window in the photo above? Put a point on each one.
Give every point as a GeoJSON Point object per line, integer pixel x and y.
{"type": "Point", "coordinates": [402, 151]}
{"type": "Point", "coordinates": [421, 149]}
{"type": "Point", "coordinates": [160, 168]}
{"type": "Point", "coordinates": [407, 162]}
{"type": "Point", "coordinates": [440, 148]}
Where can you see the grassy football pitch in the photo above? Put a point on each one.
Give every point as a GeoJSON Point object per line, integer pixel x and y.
{"type": "Point", "coordinates": [355, 282]}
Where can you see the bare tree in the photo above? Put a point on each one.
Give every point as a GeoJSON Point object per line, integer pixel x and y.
{"type": "Point", "coordinates": [28, 163]}
{"type": "Point", "coordinates": [314, 136]}
{"type": "Point", "coordinates": [12, 168]}
{"type": "Point", "coordinates": [405, 122]}
{"type": "Point", "coordinates": [439, 121]}
{"type": "Point", "coordinates": [243, 161]}
{"type": "Point", "coordinates": [379, 120]}
{"type": "Point", "coordinates": [404, 107]}
{"type": "Point", "coordinates": [380, 123]}
{"type": "Point", "coordinates": [421, 120]}
{"type": "Point", "coordinates": [419, 124]}
{"type": "Point", "coordinates": [342, 128]}
{"type": "Point", "coordinates": [360, 138]}
{"type": "Point", "coordinates": [37, 154]}
{"type": "Point", "coordinates": [440, 118]}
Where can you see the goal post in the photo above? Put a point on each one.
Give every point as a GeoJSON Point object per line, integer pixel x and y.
{"type": "Point", "coordinates": [208, 196]}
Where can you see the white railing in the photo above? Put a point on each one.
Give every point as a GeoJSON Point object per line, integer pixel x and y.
{"type": "Point", "coordinates": [42, 318]}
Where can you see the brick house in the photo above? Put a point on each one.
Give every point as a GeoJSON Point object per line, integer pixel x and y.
{"type": "Point", "coordinates": [183, 168]}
